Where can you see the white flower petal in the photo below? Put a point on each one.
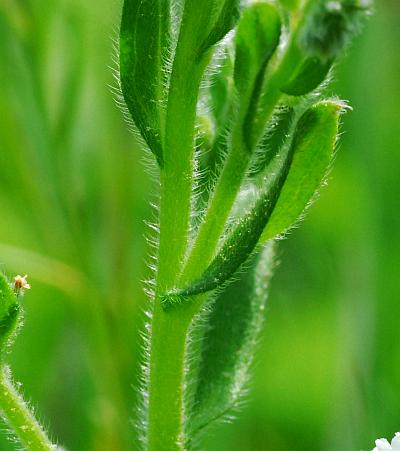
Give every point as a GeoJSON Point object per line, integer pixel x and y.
{"type": "Point", "coordinates": [383, 445]}
{"type": "Point", "coordinates": [396, 442]}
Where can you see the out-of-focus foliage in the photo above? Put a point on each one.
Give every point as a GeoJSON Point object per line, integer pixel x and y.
{"type": "Point", "coordinates": [73, 197]}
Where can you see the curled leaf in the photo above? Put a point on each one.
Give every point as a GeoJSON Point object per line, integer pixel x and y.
{"type": "Point", "coordinates": [241, 241]}
{"type": "Point", "coordinates": [205, 23]}
{"type": "Point", "coordinates": [274, 140]}
{"type": "Point", "coordinates": [315, 141]}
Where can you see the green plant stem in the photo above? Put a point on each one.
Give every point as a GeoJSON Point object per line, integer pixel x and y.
{"type": "Point", "coordinates": [20, 418]}
{"type": "Point", "coordinates": [168, 369]}
{"type": "Point", "coordinates": [177, 173]}
{"type": "Point", "coordinates": [167, 363]}
{"type": "Point", "coordinates": [169, 330]}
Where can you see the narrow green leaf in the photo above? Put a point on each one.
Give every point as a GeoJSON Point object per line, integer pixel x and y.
{"type": "Point", "coordinates": [240, 243]}
{"type": "Point", "coordinates": [316, 138]}
{"type": "Point", "coordinates": [310, 74]}
{"type": "Point", "coordinates": [144, 38]}
{"type": "Point", "coordinates": [231, 333]}
{"type": "Point", "coordinates": [257, 38]}
{"type": "Point", "coordinates": [9, 313]}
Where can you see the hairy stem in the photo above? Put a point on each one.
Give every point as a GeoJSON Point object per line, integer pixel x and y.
{"type": "Point", "coordinates": [217, 214]}
{"type": "Point", "coordinates": [20, 418]}
{"type": "Point", "coordinates": [169, 330]}
{"type": "Point", "coordinates": [166, 409]}
{"type": "Point", "coordinates": [177, 173]}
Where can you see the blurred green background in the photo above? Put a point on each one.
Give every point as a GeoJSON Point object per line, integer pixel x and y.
{"type": "Point", "coordinates": [73, 199]}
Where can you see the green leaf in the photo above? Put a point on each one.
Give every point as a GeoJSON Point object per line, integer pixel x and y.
{"type": "Point", "coordinates": [257, 38]}
{"type": "Point", "coordinates": [310, 74]}
{"type": "Point", "coordinates": [9, 313]}
{"type": "Point", "coordinates": [240, 243]}
{"type": "Point", "coordinates": [231, 333]}
{"type": "Point", "coordinates": [144, 40]}
{"type": "Point", "coordinates": [315, 141]}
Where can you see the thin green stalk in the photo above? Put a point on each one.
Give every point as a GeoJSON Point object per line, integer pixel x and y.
{"type": "Point", "coordinates": [217, 214]}
{"type": "Point", "coordinates": [166, 421]}
{"type": "Point", "coordinates": [167, 363]}
{"type": "Point", "coordinates": [20, 418]}
{"type": "Point", "coordinates": [169, 330]}
{"type": "Point", "coordinates": [177, 174]}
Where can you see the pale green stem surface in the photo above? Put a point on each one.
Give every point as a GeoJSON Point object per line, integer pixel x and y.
{"type": "Point", "coordinates": [20, 418]}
